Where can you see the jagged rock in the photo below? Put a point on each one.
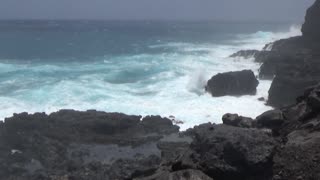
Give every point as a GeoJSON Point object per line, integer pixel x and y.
{"type": "Point", "coordinates": [188, 174]}
{"type": "Point", "coordinates": [227, 152]}
{"type": "Point", "coordinates": [245, 53]}
{"type": "Point", "coordinates": [294, 62]}
{"type": "Point", "coordinates": [313, 100]}
{"type": "Point", "coordinates": [237, 121]}
{"type": "Point", "coordinates": [97, 145]}
{"type": "Point", "coordinates": [285, 89]}
{"type": "Point", "coordinates": [83, 145]}
{"type": "Point", "coordinates": [311, 26]}
{"type": "Point", "coordinates": [233, 83]}
{"type": "Point", "coordinates": [264, 56]}
{"type": "Point", "coordinates": [298, 157]}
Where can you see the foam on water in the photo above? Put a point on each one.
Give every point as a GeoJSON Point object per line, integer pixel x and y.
{"type": "Point", "coordinates": [166, 84]}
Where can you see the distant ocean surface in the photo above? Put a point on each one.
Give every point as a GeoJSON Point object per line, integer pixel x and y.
{"type": "Point", "coordinates": [138, 68]}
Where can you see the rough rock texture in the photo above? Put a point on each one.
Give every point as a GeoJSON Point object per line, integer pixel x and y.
{"type": "Point", "coordinates": [270, 119]}
{"type": "Point", "coordinates": [282, 144]}
{"type": "Point", "coordinates": [259, 56]}
{"type": "Point", "coordinates": [311, 27]}
{"type": "Point", "coordinates": [293, 62]}
{"type": "Point", "coordinates": [299, 155]}
{"type": "Point", "coordinates": [226, 152]}
{"type": "Point", "coordinates": [237, 121]}
{"type": "Point", "coordinates": [284, 89]}
{"type": "Point", "coordinates": [233, 83]}
{"type": "Point", "coordinates": [188, 174]}
{"type": "Point", "coordinates": [82, 145]}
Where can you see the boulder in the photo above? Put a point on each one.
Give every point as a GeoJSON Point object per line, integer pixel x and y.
{"type": "Point", "coordinates": [227, 152]}
{"type": "Point", "coordinates": [270, 119]}
{"type": "Point", "coordinates": [311, 26]}
{"type": "Point", "coordinates": [233, 83]}
{"type": "Point", "coordinates": [237, 121]}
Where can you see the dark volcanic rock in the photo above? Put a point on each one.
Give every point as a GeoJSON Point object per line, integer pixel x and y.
{"type": "Point", "coordinates": [259, 56]}
{"type": "Point", "coordinates": [285, 89]}
{"type": "Point", "coordinates": [294, 62]}
{"type": "Point", "coordinates": [264, 56]}
{"type": "Point", "coordinates": [296, 67]}
{"type": "Point", "coordinates": [97, 145]}
{"type": "Point", "coordinates": [287, 55]}
{"type": "Point", "coordinates": [270, 119]}
{"type": "Point", "coordinates": [188, 174]}
{"type": "Point", "coordinates": [311, 27]}
{"type": "Point", "coordinates": [233, 83]}
{"type": "Point", "coordinates": [81, 145]}
{"type": "Point", "coordinates": [245, 53]}
{"type": "Point", "coordinates": [227, 152]}
{"type": "Point", "coordinates": [299, 155]}
{"type": "Point", "coordinates": [237, 121]}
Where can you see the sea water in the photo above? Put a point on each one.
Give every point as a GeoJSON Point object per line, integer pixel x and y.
{"type": "Point", "coordinates": [137, 68]}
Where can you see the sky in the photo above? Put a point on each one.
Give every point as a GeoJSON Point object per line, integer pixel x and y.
{"type": "Point", "coordinates": [231, 10]}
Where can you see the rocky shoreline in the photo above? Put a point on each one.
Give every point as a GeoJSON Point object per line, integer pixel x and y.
{"type": "Point", "coordinates": [293, 64]}
{"type": "Point", "coordinates": [281, 144]}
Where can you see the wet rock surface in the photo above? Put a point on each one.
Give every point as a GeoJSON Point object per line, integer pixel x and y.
{"type": "Point", "coordinates": [245, 53]}
{"type": "Point", "coordinates": [233, 83]}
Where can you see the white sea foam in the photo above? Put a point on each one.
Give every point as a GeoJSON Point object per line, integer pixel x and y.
{"type": "Point", "coordinates": [146, 84]}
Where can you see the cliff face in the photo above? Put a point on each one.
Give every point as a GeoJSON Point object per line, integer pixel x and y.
{"type": "Point", "coordinates": [294, 63]}
{"type": "Point", "coordinates": [311, 27]}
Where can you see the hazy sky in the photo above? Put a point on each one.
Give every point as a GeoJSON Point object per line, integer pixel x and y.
{"type": "Point", "coordinates": [270, 10]}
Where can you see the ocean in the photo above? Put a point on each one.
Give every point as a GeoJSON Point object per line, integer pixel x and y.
{"type": "Point", "coordinates": [133, 67]}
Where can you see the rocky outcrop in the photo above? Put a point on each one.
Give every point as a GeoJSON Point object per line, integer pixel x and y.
{"type": "Point", "coordinates": [245, 53]}
{"type": "Point", "coordinates": [233, 83]}
{"type": "Point", "coordinates": [227, 152]}
{"type": "Point", "coordinates": [285, 88]}
{"type": "Point", "coordinates": [311, 27]}
{"type": "Point", "coordinates": [300, 135]}
{"type": "Point", "coordinates": [188, 174]}
{"type": "Point", "coordinates": [270, 119]}
{"type": "Point", "coordinates": [83, 145]}
{"type": "Point", "coordinates": [237, 121]}
{"type": "Point", "coordinates": [280, 144]}
{"type": "Point", "coordinates": [293, 63]}
{"type": "Point", "coordinates": [259, 56]}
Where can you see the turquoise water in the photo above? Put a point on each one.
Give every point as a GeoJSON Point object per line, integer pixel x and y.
{"type": "Point", "coordinates": [145, 68]}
